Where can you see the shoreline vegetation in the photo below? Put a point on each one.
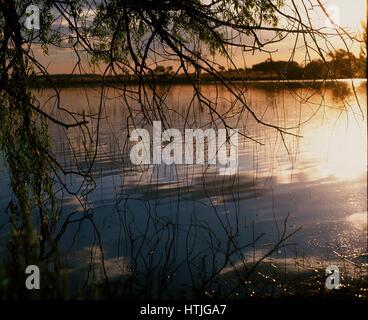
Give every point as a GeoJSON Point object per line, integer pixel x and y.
{"type": "Point", "coordinates": [63, 80]}
{"type": "Point", "coordinates": [342, 65]}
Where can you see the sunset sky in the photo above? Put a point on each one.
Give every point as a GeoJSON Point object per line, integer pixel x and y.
{"type": "Point", "coordinates": [351, 14]}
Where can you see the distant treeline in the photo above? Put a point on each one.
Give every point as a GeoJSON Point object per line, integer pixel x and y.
{"type": "Point", "coordinates": [340, 65]}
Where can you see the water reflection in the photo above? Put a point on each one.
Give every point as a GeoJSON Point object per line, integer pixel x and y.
{"type": "Point", "coordinates": [318, 180]}
{"type": "Point", "coordinates": [358, 220]}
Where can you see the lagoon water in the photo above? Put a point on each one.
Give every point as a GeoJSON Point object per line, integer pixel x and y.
{"type": "Point", "coordinates": [177, 220]}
